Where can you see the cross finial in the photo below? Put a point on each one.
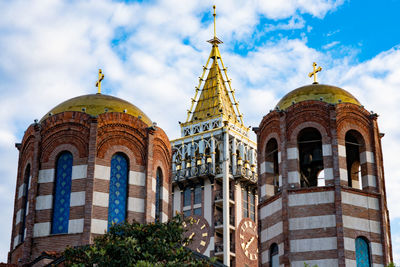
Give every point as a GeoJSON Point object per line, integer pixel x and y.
{"type": "Point", "coordinates": [314, 72]}
{"type": "Point", "coordinates": [215, 15]}
{"type": "Point", "coordinates": [215, 41]}
{"type": "Point", "coordinates": [98, 83]}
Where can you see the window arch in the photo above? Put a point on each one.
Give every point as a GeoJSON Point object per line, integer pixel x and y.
{"type": "Point", "coordinates": [27, 176]}
{"type": "Point", "coordinates": [362, 252]}
{"type": "Point", "coordinates": [274, 255]}
{"type": "Point", "coordinates": [354, 144]}
{"type": "Point", "coordinates": [159, 182]}
{"type": "Point", "coordinates": [62, 193]}
{"type": "Point", "coordinates": [118, 189]}
{"type": "Point", "coordinates": [311, 160]}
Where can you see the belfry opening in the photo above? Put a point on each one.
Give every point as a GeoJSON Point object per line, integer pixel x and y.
{"type": "Point", "coordinates": [311, 160]}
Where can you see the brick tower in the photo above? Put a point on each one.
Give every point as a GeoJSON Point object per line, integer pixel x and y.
{"type": "Point", "coordinates": [321, 184]}
{"type": "Point", "coordinates": [91, 161]}
{"type": "Point", "coordinates": [214, 170]}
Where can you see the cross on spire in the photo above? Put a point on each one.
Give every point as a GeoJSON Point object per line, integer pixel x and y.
{"type": "Point", "coordinates": [98, 83]}
{"type": "Point", "coordinates": [215, 14]}
{"type": "Point", "coordinates": [314, 72]}
{"type": "Point", "coordinates": [215, 40]}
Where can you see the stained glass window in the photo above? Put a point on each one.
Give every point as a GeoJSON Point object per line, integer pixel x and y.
{"type": "Point", "coordinates": [197, 211]}
{"type": "Point", "coordinates": [62, 194]}
{"type": "Point", "coordinates": [25, 200]}
{"type": "Point", "coordinates": [187, 197]}
{"type": "Point", "coordinates": [362, 252]}
{"type": "Point", "coordinates": [158, 192]}
{"type": "Point", "coordinates": [197, 194]}
{"type": "Point", "coordinates": [187, 213]}
{"type": "Point", "coordinates": [118, 189]}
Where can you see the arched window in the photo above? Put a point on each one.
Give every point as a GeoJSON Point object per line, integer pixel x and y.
{"type": "Point", "coordinates": [274, 255]}
{"type": "Point", "coordinates": [118, 189]}
{"type": "Point", "coordinates": [159, 182]}
{"type": "Point", "coordinates": [362, 252]}
{"type": "Point", "coordinates": [24, 211]}
{"type": "Point", "coordinates": [62, 193]}
{"type": "Point", "coordinates": [311, 161]}
{"type": "Point", "coordinates": [272, 167]}
{"type": "Point", "coordinates": [354, 142]}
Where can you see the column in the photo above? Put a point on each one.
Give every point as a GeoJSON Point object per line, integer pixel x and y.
{"type": "Point", "coordinates": [225, 195]}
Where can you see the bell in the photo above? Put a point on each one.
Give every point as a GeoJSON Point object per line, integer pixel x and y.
{"type": "Point", "coordinates": [317, 155]}
{"type": "Point", "coordinates": [307, 159]}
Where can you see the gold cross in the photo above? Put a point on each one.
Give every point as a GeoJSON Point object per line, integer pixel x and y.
{"type": "Point", "coordinates": [314, 73]}
{"type": "Point", "coordinates": [98, 83]}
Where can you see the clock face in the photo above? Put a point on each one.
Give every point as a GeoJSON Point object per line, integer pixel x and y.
{"type": "Point", "coordinates": [197, 233]}
{"type": "Point", "coordinates": [248, 239]}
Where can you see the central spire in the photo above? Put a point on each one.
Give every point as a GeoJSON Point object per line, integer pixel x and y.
{"type": "Point", "coordinates": [217, 98]}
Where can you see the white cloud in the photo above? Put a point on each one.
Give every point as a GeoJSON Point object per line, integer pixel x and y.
{"type": "Point", "coordinates": [294, 23]}
{"type": "Point", "coordinates": [330, 45]}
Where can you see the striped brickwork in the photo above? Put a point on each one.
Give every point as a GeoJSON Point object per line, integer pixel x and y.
{"type": "Point", "coordinates": [92, 142]}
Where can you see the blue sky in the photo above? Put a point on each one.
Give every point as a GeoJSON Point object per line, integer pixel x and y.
{"type": "Point", "coordinates": [152, 54]}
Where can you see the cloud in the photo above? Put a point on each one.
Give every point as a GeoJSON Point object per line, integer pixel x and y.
{"type": "Point", "coordinates": [294, 23]}
{"type": "Point", "coordinates": [330, 45]}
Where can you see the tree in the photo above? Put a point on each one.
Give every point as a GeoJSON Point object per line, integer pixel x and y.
{"type": "Point", "coordinates": [136, 244]}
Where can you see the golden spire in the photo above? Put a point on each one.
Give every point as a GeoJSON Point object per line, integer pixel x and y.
{"type": "Point", "coordinates": [216, 98]}
{"type": "Point", "coordinates": [314, 72]}
{"type": "Point", "coordinates": [98, 83]}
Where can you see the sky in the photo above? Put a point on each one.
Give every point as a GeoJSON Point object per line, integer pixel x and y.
{"type": "Point", "coordinates": [152, 53]}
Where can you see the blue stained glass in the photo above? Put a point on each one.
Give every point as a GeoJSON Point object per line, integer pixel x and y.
{"type": "Point", "coordinates": [362, 253]}
{"type": "Point", "coordinates": [118, 186]}
{"type": "Point", "coordinates": [62, 194]}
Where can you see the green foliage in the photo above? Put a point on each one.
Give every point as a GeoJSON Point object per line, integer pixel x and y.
{"type": "Point", "coordinates": [308, 265]}
{"type": "Point", "coordinates": [139, 245]}
{"type": "Point", "coordinates": [391, 265]}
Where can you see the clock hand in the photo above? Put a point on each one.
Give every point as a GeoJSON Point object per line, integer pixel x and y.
{"type": "Point", "coordinates": [248, 243]}
{"type": "Point", "coordinates": [191, 236]}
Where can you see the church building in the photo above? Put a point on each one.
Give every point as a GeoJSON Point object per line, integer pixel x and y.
{"type": "Point", "coordinates": [310, 190]}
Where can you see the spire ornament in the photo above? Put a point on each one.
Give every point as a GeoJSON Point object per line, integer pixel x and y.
{"type": "Point", "coordinates": [215, 40]}
{"type": "Point", "coordinates": [98, 83]}
{"type": "Point", "coordinates": [215, 14]}
{"type": "Point", "coordinates": [217, 97]}
{"type": "Point", "coordinates": [314, 72]}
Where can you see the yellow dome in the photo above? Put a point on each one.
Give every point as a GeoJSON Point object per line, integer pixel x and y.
{"type": "Point", "coordinates": [322, 92]}
{"type": "Point", "coordinates": [96, 104]}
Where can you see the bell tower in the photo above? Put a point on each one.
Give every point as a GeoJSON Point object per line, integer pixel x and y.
{"type": "Point", "coordinates": [214, 170]}
{"type": "Point", "coordinates": [322, 185]}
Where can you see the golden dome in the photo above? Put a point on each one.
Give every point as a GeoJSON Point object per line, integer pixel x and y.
{"type": "Point", "coordinates": [322, 92]}
{"type": "Point", "coordinates": [95, 104]}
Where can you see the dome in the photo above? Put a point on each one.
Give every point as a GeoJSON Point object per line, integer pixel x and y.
{"type": "Point", "coordinates": [95, 104]}
{"type": "Point", "coordinates": [322, 92]}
